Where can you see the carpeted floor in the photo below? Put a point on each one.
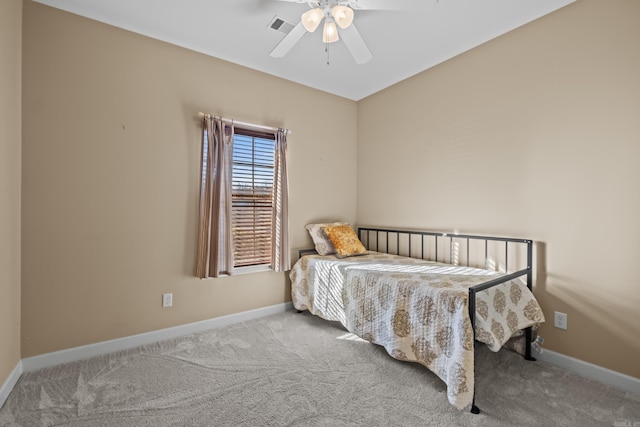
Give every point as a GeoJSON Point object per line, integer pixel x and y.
{"type": "Point", "coordinates": [298, 370]}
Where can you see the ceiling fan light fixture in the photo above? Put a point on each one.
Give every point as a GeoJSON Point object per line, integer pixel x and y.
{"type": "Point", "coordinates": [330, 32]}
{"type": "Point", "coordinates": [343, 15]}
{"type": "Point", "coordinates": [311, 19]}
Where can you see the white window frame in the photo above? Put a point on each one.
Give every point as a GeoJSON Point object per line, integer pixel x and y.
{"type": "Point", "coordinates": [241, 132]}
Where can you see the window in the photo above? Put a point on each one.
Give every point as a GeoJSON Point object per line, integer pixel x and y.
{"type": "Point", "coordinates": [252, 197]}
{"type": "Point", "coordinates": [243, 220]}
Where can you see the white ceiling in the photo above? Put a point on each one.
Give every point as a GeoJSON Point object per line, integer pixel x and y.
{"type": "Point", "coordinates": [403, 43]}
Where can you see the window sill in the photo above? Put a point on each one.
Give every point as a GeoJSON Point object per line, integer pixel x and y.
{"type": "Point", "coordinates": [244, 270]}
{"type": "Point", "coordinates": [251, 269]}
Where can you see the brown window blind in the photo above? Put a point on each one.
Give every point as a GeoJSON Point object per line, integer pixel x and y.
{"type": "Point", "coordinates": [252, 197]}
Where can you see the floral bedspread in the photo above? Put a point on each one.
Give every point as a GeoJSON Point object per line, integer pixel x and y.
{"type": "Point", "coordinates": [417, 310]}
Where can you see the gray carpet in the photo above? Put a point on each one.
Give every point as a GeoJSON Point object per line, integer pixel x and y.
{"type": "Point", "coordinates": [298, 370]}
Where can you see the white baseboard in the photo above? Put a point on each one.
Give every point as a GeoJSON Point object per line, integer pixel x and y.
{"type": "Point", "coordinates": [11, 381]}
{"type": "Point", "coordinates": [98, 349]}
{"type": "Point", "coordinates": [589, 370]}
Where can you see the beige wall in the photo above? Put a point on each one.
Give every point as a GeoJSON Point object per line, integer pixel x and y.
{"type": "Point", "coordinates": [535, 134]}
{"type": "Point", "coordinates": [111, 169]}
{"type": "Point", "coordinates": [10, 131]}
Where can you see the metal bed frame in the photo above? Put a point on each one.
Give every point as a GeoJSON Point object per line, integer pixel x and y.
{"type": "Point", "coordinates": [371, 238]}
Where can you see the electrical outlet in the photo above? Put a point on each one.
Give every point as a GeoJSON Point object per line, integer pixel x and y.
{"type": "Point", "coordinates": [560, 320]}
{"type": "Point", "coordinates": [167, 300]}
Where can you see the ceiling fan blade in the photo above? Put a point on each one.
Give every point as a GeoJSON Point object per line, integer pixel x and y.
{"type": "Point", "coordinates": [356, 45]}
{"type": "Point", "coordinates": [387, 4]}
{"type": "Point", "coordinates": [288, 41]}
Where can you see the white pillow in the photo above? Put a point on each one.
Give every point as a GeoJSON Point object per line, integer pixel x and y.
{"type": "Point", "coordinates": [322, 243]}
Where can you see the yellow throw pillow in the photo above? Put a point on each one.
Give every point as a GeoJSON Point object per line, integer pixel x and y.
{"type": "Point", "coordinates": [344, 240]}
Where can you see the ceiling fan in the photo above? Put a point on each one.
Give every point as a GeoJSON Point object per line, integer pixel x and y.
{"type": "Point", "coordinates": [336, 14]}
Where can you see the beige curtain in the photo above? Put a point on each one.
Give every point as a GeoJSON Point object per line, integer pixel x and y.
{"type": "Point", "coordinates": [280, 254]}
{"type": "Point", "coordinates": [215, 245]}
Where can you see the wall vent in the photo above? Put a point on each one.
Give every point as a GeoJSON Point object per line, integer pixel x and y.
{"type": "Point", "coordinates": [280, 24]}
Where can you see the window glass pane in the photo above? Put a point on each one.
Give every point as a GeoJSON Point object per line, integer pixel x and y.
{"type": "Point", "coordinates": [252, 198]}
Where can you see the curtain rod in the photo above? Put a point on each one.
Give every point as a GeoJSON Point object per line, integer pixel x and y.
{"type": "Point", "coordinates": [249, 125]}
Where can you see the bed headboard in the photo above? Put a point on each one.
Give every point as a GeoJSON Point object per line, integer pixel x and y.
{"type": "Point", "coordinates": [508, 255]}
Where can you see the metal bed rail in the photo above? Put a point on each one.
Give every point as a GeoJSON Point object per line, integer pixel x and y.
{"type": "Point", "coordinates": [371, 238]}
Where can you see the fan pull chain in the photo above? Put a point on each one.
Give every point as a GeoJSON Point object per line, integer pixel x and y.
{"type": "Point", "coordinates": [326, 49]}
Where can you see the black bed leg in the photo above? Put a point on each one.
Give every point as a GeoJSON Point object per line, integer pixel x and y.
{"type": "Point", "coordinates": [474, 408]}
{"type": "Point", "coordinates": [527, 345]}
{"type": "Point", "coordinates": [472, 318]}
